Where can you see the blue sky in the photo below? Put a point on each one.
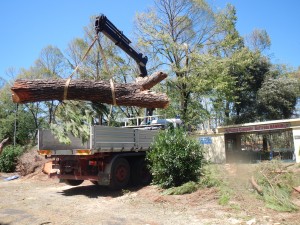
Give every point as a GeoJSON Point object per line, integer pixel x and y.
{"type": "Point", "coordinates": [29, 26]}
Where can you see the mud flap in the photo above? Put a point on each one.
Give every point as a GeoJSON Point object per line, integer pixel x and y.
{"type": "Point", "coordinates": [104, 178]}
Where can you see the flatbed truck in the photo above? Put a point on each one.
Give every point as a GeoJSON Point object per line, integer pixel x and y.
{"type": "Point", "coordinates": [113, 156]}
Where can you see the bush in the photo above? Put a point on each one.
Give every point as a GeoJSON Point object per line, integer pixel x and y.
{"type": "Point", "coordinates": [9, 158]}
{"type": "Point", "coordinates": [175, 158]}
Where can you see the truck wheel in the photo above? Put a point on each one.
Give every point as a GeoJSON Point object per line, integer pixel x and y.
{"type": "Point", "coordinates": [120, 174]}
{"type": "Point", "coordinates": [73, 182]}
{"type": "Point", "coordinates": [140, 174]}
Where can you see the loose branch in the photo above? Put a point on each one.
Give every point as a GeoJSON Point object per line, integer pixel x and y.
{"type": "Point", "coordinates": [256, 186]}
{"type": "Point", "coordinates": [2, 144]}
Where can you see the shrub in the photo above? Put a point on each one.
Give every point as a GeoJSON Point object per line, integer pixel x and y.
{"type": "Point", "coordinates": [9, 158]}
{"type": "Point", "coordinates": [175, 158]}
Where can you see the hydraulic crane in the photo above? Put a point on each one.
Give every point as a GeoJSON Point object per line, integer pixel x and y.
{"type": "Point", "coordinates": [102, 24]}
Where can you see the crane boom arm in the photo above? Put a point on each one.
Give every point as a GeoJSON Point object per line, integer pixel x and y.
{"type": "Point", "coordinates": [102, 24]}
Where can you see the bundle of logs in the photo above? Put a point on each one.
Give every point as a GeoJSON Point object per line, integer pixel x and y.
{"type": "Point", "coordinates": [130, 94]}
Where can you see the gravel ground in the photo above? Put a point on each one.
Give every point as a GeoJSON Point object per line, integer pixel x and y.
{"type": "Point", "coordinates": [37, 199]}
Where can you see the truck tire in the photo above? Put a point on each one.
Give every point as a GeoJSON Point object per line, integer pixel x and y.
{"type": "Point", "coordinates": [140, 174]}
{"type": "Point", "coordinates": [73, 182]}
{"type": "Point", "coordinates": [120, 174]}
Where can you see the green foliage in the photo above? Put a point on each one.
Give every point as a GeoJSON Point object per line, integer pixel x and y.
{"type": "Point", "coordinates": [73, 117]}
{"type": "Point", "coordinates": [277, 98]}
{"type": "Point", "coordinates": [224, 197]}
{"type": "Point", "coordinates": [277, 184]}
{"type": "Point", "coordinates": [178, 26]}
{"type": "Point", "coordinates": [213, 177]}
{"type": "Point", "coordinates": [9, 157]}
{"type": "Point", "coordinates": [25, 122]}
{"type": "Point", "coordinates": [175, 158]}
{"type": "Point", "coordinates": [186, 188]}
{"type": "Point", "coordinates": [249, 70]}
{"type": "Point", "coordinates": [210, 176]}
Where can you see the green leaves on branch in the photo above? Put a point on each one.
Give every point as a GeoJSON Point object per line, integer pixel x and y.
{"type": "Point", "coordinates": [73, 117]}
{"type": "Point", "coordinates": [277, 181]}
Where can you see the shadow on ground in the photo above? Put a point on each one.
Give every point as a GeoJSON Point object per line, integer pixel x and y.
{"type": "Point", "coordinates": [4, 223]}
{"type": "Point", "coordinates": [95, 191]}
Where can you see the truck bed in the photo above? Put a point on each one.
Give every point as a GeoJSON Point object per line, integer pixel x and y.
{"type": "Point", "coordinates": [102, 139]}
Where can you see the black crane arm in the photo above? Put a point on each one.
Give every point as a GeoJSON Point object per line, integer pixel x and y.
{"type": "Point", "coordinates": [102, 24]}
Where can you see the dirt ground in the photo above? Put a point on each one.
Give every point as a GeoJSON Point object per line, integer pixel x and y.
{"type": "Point", "coordinates": [37, 199]}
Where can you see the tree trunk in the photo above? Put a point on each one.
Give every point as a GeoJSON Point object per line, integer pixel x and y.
{"type": "Point", "coordinates": [131, 94]}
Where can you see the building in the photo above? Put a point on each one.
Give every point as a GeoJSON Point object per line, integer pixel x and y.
{"type": "Point", "coordinates": [253, 142]}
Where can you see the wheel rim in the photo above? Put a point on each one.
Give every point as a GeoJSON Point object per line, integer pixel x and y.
{"type": "Point", "coordinates": [121, 173]}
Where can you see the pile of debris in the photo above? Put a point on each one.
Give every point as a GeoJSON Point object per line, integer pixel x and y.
{"type": "Point", "coordinates": [31, 163]}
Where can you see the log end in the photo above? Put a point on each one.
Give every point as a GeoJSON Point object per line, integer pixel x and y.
{"type": "Point", "coordinates": [15, 97]}
{"type": "Point", "coordinates": [166, 105]}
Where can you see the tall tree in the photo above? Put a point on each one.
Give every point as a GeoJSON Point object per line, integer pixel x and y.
{"type": "Point", "coordinates": [173, 31]}
{"type": "Point", "coordinates": [277, 98]}
{"type": "Point", "coordinates": [249, 75]}
{"type": "Point", "coordinates": [258, 40]}
{"type": "Point", "coordinates": [227, 56]}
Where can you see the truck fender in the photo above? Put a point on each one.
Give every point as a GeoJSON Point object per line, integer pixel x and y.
{"type": "Point", "coordinates": [105, 177]}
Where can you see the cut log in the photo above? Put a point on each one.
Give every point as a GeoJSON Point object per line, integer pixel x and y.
{"type": "Point", "coordinates": [130, 94]}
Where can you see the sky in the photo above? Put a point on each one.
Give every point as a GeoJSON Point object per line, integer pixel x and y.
{"type": "Point", "coordinates": [29, 26]}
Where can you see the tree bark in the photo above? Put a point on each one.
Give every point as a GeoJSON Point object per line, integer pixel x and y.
{"type": "Point", "coordinates": [2, 143]}
{"type": "Point", "coordinates": [131, 94]}
{"type": "Point", "coordinates": [150, 81]}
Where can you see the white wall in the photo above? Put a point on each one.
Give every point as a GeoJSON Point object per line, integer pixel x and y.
{"type": "Point", "coordinates": [215, 151]}
{"type": "Point", "coordinates": [296, 136]}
